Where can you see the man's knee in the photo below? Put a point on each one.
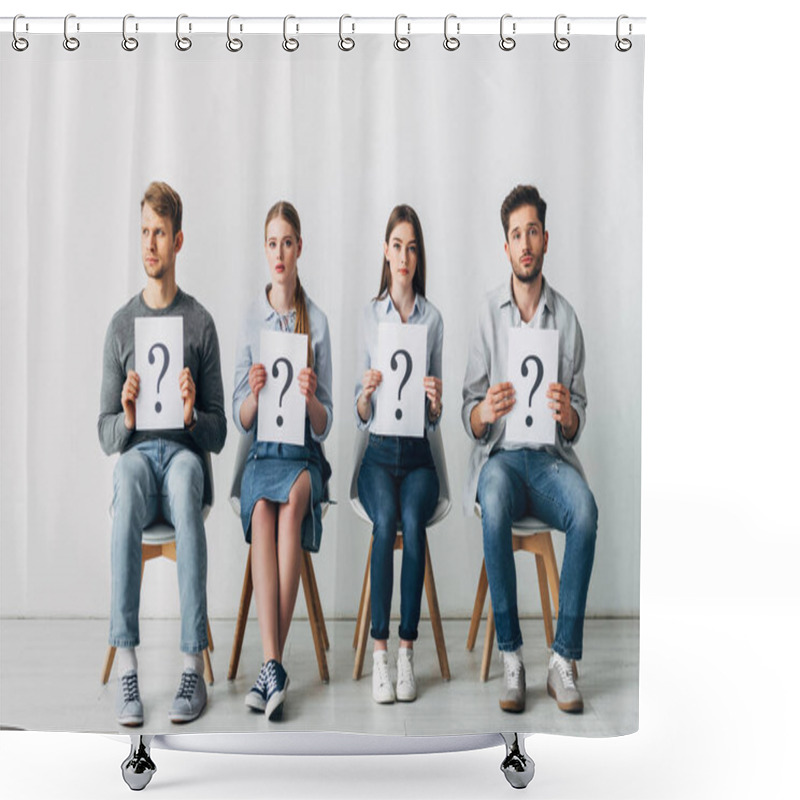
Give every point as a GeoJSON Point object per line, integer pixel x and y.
{"type": "Point", "coordinates": [584, 515]}
{"type": "Point", "coordinates": [133, 480]}
{"type": "Point", "coordinates": [184, 480]}
{"type": "Point", "coordinates": [495, 493]}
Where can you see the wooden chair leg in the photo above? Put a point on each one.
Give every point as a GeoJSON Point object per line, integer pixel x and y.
{"type": "Point", "coordinates": [318, 603]}
{"type": "Point", "coordinates": [361, 602]}
{"type": "Point", "coordinates": [544, 595]}
{"type": "Point", "coordinates": [109, 662]}
{"type": "Point", "coordinates": [551, 565]}
{"type": "Point", "coordinates": [436, 617]}
{"type": "Point", "coordinates": [316, 633]}
{"type": "Point", "coordinates": [208, 672]}
{"type": "Point", "coordinates": [488, 644]}
{"type": "Point", "coordinates": [210, 638]}
{"type": "Point", "coordinates": [241, 620]}
{"type": "Point", "coordinates": [364, 619]}
{"type": "Point", "coordinates": [480, 601]}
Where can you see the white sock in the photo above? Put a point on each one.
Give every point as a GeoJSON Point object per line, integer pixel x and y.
{"type": "Point", "coordinates": [405, 652]}
{"type": "Point", "coordinates": [126, 660]}
{"type": "Point", "coordinates": [193, 661]}
{"type": "Point", "coordinates": [512, 657]}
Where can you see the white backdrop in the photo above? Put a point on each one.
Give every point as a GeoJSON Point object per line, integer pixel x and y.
{"type": "Point", "coordinates": [345, 137]}
{"type": "Point", "coordinates": [720, 165]}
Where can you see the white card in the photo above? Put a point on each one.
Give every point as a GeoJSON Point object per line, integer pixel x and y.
{"type": "Point", "coordinates": [532, 367]}
{"type": "Point", "coordinates": [281, 407]}
{"type": "Point", "coordinates": [400, 399]}
{"type": "Point", "coordinates": [158, 361]}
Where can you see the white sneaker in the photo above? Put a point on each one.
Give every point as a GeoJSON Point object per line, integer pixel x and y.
{"type": "Point", "coordinates": [406, 682]}
{"type": "Point", "coordinates": [561, 686]}
{"type": "Point", "coordinates": [382, 689]}
{"type": "Point", "coordinates": [513, 697]}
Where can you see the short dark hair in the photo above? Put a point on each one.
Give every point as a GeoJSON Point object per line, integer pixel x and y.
{"type": "Point", "coordinates": [522, 196]}
{"type": "Point", "coordinates": [166, 202]}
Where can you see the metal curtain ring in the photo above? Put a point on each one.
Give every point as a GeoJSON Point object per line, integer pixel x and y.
{"type": "Point", "coordinates": [346, 42]}
{"type": "Point", "coordinates": [401, 42]}
{"type": "Point", "coordinates": [289, 44]}
{"type": "Point", "coordinates": [19, 43]}
{"type": "Point", "coordinates": [451, 42]}
{"type": "Point", "coordinates": [623, 45]}
{"type": "Point", "coordinates": [507, 42]}
{"type": "Point", "coordinates": [183, 43]}
{"type": "Point", "coordinates": [70, 42]}
{"type": "Point", "coordinates": [129, 43]}
{"type": "Point", "coordinates": [561, 43]}
{"type": "Point", "coordinates": [233, 44]}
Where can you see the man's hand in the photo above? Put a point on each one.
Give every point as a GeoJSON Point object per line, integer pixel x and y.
{"type": "Point", "coordinates": [433, 390]}
{"type": "Point", "coordinates": [563, 412]}
{"type": "Point", "coordinates": [307, 381]}
{"type": "Point", "coordinates": [498, 402]}
{"type": "Point", "coordinates": [130, 391]}
{"type": "Point", "coordinates": [188, 393]}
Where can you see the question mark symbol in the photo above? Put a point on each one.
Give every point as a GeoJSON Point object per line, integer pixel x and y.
{"type": "Point", "coordinates": [399, 413]}
{"type": "Point", "coordinates": [539, 376]}
{"type": "Point", "coordinates": [152, 359]}
{"type": "Point", "coordinates": [287, 383]}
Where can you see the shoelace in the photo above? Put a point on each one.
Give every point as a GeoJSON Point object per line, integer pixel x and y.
{"type": "Point", "coordinates": [272, 678]}
{"type": "Point", "coordinates": [130, 687]}
{"type": "Point", "coordinates": [513, 674]}
{"type": "Point", "coordinates": [188, 682]}
{"type": "Point", "coordinates": [405, 673]}
{"type": "Point", "coordinates": [382, 669]}
{"type": "Point", "coordinates": [565, 671]}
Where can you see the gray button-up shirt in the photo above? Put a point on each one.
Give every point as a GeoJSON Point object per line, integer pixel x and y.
{"type": "Point", "coordinates": [487, 364]}
{"type": "Point", "coordinates": [262, 316]}
{"type": "Point", "coordinates": [380, 311]}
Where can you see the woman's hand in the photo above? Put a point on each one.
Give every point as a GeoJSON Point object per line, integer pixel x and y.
{"type": "Point", "coordinates": [433, 391]}
{"type": "Point", "coordinates": [370, 382]}
{"type": "Point", "coordinates": [307, 381]}
{"type": "Point", "coordinates": [257, 378]}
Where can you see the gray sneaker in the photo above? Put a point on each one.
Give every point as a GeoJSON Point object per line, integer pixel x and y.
{"type": "Point", "coordinates": [190, 699]}
{"type": "Point", "coordinates": [513, 697]}
{"type": "Point", "coordinates": [129, 703]}
{"type": "Point", "coordinates": [561, 677]}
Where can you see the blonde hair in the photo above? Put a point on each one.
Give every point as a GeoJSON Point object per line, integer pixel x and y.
{"type": "Point", "coordinates": [286, 211]}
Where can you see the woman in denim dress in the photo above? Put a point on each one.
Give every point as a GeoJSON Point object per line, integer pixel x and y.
{"type": "Point", "coordinates": [397, 481]}
{"type": "Point", "coordinates": [282, 484]}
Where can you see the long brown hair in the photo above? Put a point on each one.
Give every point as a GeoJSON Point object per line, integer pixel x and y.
{"type": "Point", "coordinates": [404, 213]}
{"type": "Point", "coordinates": [288, 212]}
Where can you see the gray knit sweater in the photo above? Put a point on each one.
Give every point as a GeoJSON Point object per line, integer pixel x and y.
{"type": "Point", "coordinates": [200, 354]}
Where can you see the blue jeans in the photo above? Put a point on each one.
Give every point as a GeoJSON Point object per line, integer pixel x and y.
{"type": "Point", "coordinates": [397, 482]}
{"type": "Point", "coordinates": [518, 483]}
{"type": "Point", "coordinates": [158, 480]}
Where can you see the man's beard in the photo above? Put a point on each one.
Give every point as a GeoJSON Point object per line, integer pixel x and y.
{"type": "Point", "coordinates": [528, 277]}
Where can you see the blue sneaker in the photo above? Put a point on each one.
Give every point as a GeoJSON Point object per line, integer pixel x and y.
{"type": "Point", "coordinates": [190, 699]}
{"type": "Point", "coordinates": [269, 690]}
{"type": "Point", "coordinates": [129, 702]}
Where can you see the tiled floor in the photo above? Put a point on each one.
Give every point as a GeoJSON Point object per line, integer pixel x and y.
{"type": "Point", "coordinates": [50, 680]}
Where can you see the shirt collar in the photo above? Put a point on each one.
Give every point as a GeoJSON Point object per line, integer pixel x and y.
{"type": "Point", "coordinates": [419, 305]}
{"type": "Point", "coordinates": [269, 311]}
{"type": "Point", "coordinates": [507, 299]}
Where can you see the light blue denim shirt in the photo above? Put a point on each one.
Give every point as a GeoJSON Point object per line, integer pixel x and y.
{"type": "Point", "coordinates": [262, 316]}
{"type": "Point", "coordinates": [487, 364]}
{"type": "Point", "coordinates": [382, 311]}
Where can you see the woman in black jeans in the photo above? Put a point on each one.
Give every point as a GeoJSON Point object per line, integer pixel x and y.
{"type": "Point", "coordinates": [397, 481]}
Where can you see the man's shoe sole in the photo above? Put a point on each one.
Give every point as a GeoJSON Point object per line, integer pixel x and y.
{"type": "Point", "coordinates": [512, 707]}
{"type": "Point", "coordinates": [180, 719]}
{"type": "Point", "coordinates": [130, 722]}
{"type": "Point", "coordinates": [575, 707]}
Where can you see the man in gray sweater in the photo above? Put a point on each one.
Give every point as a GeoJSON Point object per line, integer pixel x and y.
{"type": "Point", "coordinates": [161, 475]}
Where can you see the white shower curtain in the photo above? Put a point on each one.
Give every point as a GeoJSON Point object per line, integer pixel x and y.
{"type": "Point", "coordinates": [344, 136]}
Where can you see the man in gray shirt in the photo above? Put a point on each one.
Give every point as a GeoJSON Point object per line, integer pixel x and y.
{"type": "Point", "coordinates": [510, 480]}
{"type": "Point", "coordinates": [161, 475]}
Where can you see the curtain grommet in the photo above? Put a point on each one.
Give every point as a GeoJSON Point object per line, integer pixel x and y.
{"type": "Point", "coordinates": [560, 43]}
{"type": "Point", "coordinates": [71, 43]}
{"type": "Point", "coordinates": [129, 43]}
{"type": "Point", "coordinates": [233, 44]}
{"type": "Point", "coordinates": [346, 43]}
{"type": "Point", "coordinates": [401, 43]}
{"type": "Point", "coordinates": [623, 44]}
{"type": "Point", "coordinates": [183, 43]}
{"type": "Point", "coordinates": [289, 44]}
{"type": "Point", "coordinates": [19, 43]}
{"type": "Point", "coordinates": [507, 42]}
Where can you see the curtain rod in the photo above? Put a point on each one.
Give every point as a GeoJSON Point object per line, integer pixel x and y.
{"type": "Point", "coordinates": [348, 25]}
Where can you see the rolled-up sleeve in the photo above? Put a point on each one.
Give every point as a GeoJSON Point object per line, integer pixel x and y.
{"type": "Point", "coordinates": [324, 371]}
{"type": "Point", "coordinates": [367, 332]}
{"type": "Point", "coordinates": [436, 339]}
{"type": "Point", "coordinates": [244, 360]}
{"type": "Point", "coordinates": [577, 387]}
{"type": "Point", "coordinates": [476, 377]}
